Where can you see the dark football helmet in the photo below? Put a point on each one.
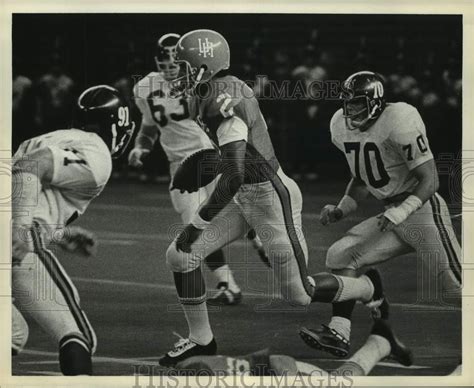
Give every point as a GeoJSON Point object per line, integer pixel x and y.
{"type": "Point", "coordinates": [101, 109]}
{"type": "Point", "coordinates": [201, 54]}
{"type": "Point", "coordinates": [165, 56]}
{"type": "Point", "coordinates": [363, 96]}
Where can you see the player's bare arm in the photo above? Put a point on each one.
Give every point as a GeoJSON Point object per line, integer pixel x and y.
{"type": "Point", "coordinates": [144, 143]}
{"type": "Point", "coordinates": [356, 190]}
{"type": "Point", "coordinates": [428, 184]}
{"type": "Point", "coordinates": [233, 169]}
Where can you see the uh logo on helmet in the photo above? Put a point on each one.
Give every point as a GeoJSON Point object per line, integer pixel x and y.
{"type": "Point", "coordinates": [201, 54]}
{"type": "Point", "coordinates": [363, 96]}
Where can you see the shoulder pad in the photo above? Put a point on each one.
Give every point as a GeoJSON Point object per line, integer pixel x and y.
{"type": "Point", "coordinates": [225, 94]}
{"type": "Point", "coordinates": [147, 84]}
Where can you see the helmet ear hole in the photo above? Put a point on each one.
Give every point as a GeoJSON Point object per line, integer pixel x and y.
{"type": "Point", "coordinates": [103, 110]}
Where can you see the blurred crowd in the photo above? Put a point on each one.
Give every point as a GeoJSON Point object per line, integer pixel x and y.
{"type": "Point", "coordinates": [423, 72]}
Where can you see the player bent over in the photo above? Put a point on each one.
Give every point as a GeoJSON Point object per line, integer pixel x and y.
{"type": "Point", "coordinates": [57, 175]}
{"type": "Point", "coordinates": [388, 153]}
{"type": "Point", "coordinates": [381, 343]}
{"type": "Point", "coordinates": [168, 118]}
{"type": "Point", "coordinates": [267, 200]}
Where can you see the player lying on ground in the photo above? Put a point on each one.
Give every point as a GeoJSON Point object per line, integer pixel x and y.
{"type": "Point", "coordinates": [389, 157]}
{"type": "Point", "coordinates": [168, 118]}
{"type": "Point", "coordinates": [267, 200]}
{"type": "Point", "coordinates": [59, 174]}
{"type": "Point", "coordinates": [381, 343]}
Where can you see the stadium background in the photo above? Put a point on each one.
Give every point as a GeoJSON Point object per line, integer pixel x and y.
{"type": "Point", "coordinates": [126, 289]}
{"type": "Point", "coordinates": [420, 56]}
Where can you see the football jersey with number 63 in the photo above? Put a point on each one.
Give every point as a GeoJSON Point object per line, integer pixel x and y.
{"type": "Point", "coordinates": [384, 155]}
{"type": "Point", "coordinates": [180, 135]}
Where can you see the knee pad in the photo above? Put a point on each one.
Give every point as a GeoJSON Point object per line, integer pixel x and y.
{"type": "Point", "coordinates": [340, 255]}
{"type": "Point", "coordinates": [179, 261]}
{"type": "Point", "coordinates": [20, 332]}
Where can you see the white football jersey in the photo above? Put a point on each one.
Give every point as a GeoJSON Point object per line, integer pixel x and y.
{"type": "Point", "coordinates": [180, 135]}
{"type": "Point", "coordinates": [385, 154]}
{"type": "Point", "coordinates": [82, 167]}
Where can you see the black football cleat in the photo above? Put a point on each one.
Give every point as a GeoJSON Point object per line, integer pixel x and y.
{"type": "Point", "coordinates": [225, 296]}
{"type": "Point", "coordinates": [399, 352]}
{"type": "Point", "coordinates": [378, 296]}
{"type": "Point", "coordinates": [186, 348]}
{"type": "Point", "coordinates": [327, 340]}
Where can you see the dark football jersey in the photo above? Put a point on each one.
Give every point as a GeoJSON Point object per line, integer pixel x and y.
{"type": "Point", "coordinates": [229, 111]}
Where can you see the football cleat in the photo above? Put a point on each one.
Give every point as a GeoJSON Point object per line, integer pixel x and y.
{"type": "Point", "coordinates": [225, 296]}
{"type": "Point", "coordinates": [378, 296]}
{"type": "Point", "coordinates": [186, 348]}
{"type": "Point", "coordinates": [326, 339]}
{"type": "Point", "coordinates": [399, 352]}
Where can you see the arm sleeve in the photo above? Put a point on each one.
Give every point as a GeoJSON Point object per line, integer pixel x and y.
{"type": "Point", "coordinates": [334, 138]}
{"type": "Point", "coordinates": [232, 129]}
{"type": "Point", "coordinates": [411, 141]}
{"type": "Point", "coordinates": [142, 105]}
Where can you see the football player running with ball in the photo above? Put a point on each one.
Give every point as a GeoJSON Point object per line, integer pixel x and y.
{"type": "Point", "coordinates": [388, 153]}
{"type": "Point", "coordinates": [55, 177]}
{"type": "Point", "coordinates": [267, 200]}
{"type": "Point", "coordinates": [167, 117]}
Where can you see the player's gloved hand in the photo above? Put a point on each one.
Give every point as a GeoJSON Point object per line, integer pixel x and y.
{"type": "Point", "coordinates": [384, 224]}
{"type": "Point", "coordinates": [136, 157]}
{"type": "Point", "coordinates": [186, 238]}
{"type": "Point", "coordinates": [330, 214]}
{"type": "Point", "coordinates": [79, 241]}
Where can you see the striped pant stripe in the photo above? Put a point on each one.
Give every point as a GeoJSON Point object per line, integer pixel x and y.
{"type": "Point", "coordinates": [285, 200]}
{"type": "Point", "coordinates": [445, 239]}
{"type": "Point", "coordinates": [63, 283]}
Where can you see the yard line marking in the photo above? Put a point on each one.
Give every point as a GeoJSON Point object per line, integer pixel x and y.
{"type": "Point", "coordinates": [117, 360]}
{"type": "Point", "coordinates": [125, 238]}
{"type": "Point", "coordinates": [262, 294]}
{"type": "Point", "coordinates": [44, 372]}
{"type": "Point", "coordinates": [170, 209]}
{"type": "Point", "coordinates": [139, 361]}
{"type": "Point", "coordinates": [118, 242]}
{"type": "Point", "coordinates": [52, 362]}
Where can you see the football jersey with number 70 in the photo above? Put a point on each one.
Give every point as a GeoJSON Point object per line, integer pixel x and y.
{"type": "Point", "coordinates": [384, 155]}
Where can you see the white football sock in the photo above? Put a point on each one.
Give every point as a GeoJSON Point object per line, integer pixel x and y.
{"type": "Point", "coordinates": [375, 349]}
{"type": "Point", "coordinates": [342, 326]}
{"type": "Point", "coordinates": [200, 330]}
{"type": "Point", "coordinates": [360, 288]}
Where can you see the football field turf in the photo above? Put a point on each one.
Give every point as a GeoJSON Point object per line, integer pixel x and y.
{"type": "Point", "coordinates": [128, 293]}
